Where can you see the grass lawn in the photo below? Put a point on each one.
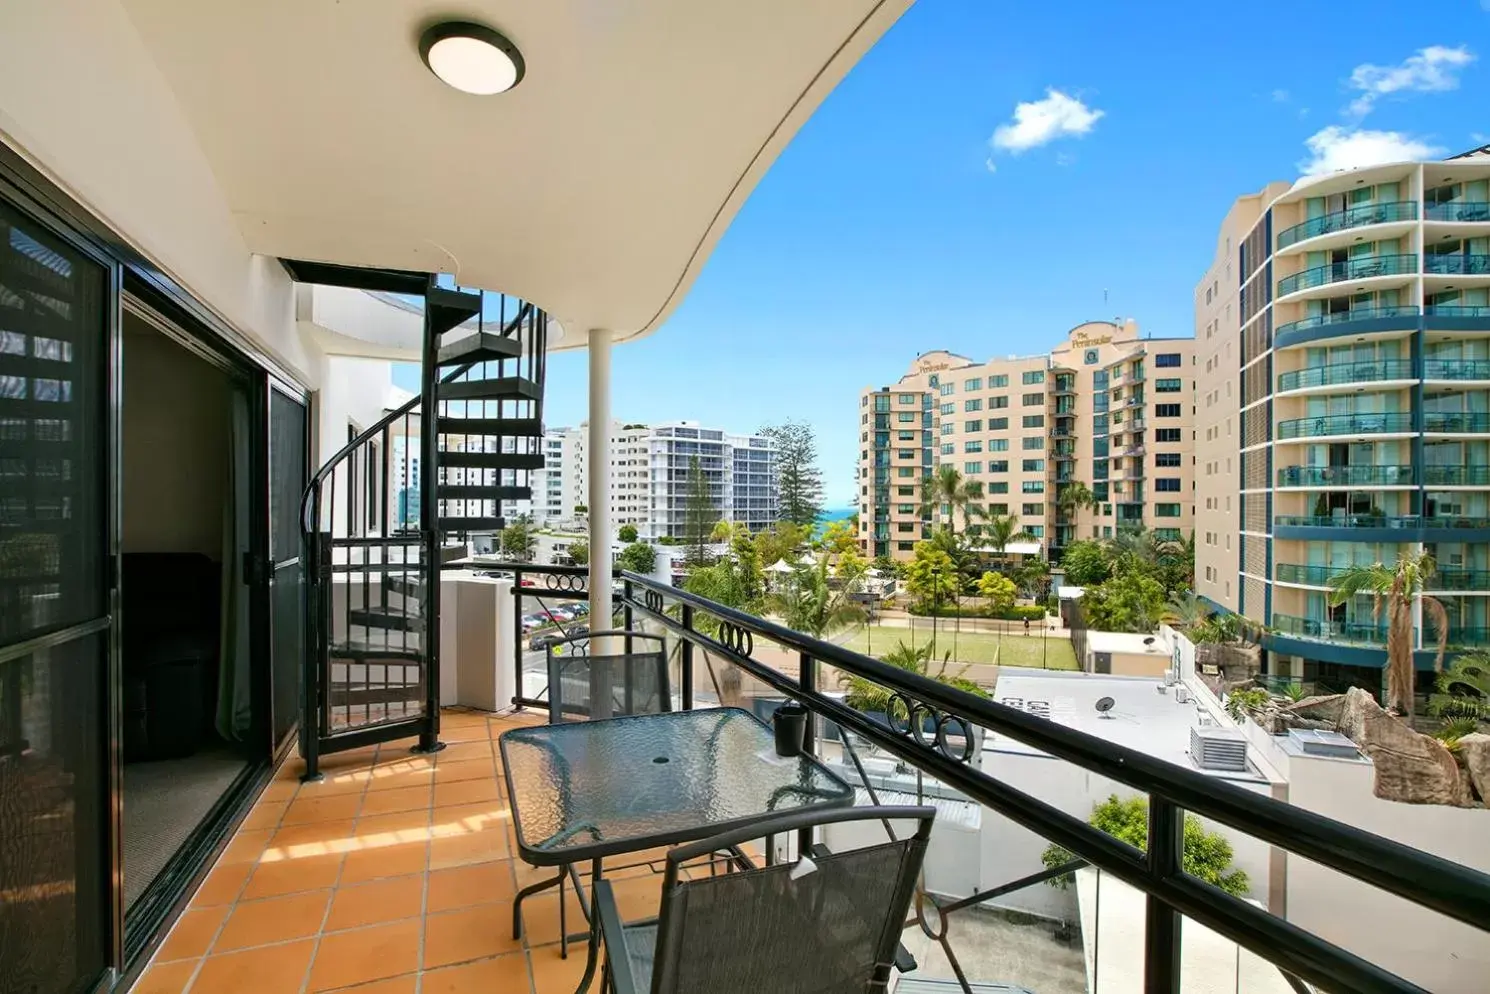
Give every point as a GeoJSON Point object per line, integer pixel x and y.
{"type": "Point", "coordinates": [1009, 650]}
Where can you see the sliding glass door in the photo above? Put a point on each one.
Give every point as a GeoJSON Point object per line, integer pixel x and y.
{"type": "Point", "coordinates": [58, 907]}
{"type": "Point", "coordinates": [288, 468]}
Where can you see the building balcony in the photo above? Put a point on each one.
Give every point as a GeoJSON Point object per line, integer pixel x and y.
{"type": "Point", "coordinates": [1345, 374]}
{"type": "Point", "coordinates": [1359, 633]}
{"type": "Point", "coordinates": [1346, 476]}
{"type": "Point", "coordinates": [1346, 424]}
{"type": "Point", "coordinates": [1455, 423]}
{"type": "Point", "coordinates": [1312, 576]}
{"type": "Point", "coordinates": [1403, 522]}
{"type": "Point", "coordinates": [1132, 450]}
{"type": "Point", "coordinates": [1456, 476]}
{"type": "Point", "coordinates": [1356, 321]}
{"type": "Point", "coordinates": [1456, 369]}
{"type": "Point", "coordinates": [1457, 264]}
{"type": "Point", "coordinates": [1459, 211]}
{"type": "Point", "coordinates": [1353, 270]}
{"type": "Point", "coordinates": [1446, 579]}
{"type": "Point", "coordinates": [1456, 317]}
{"type": "Point", "coordinates": [1352, 217]}
{"type": "Point", "coordinates": [1455, 579]}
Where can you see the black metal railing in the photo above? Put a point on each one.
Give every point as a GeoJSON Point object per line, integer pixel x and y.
{"type": "Point", "coordinates": [1344, 476]}
{"type": "Point", "coordinates": [934, 733]}
{"type": "Point", "coordinates": [1351, 217]}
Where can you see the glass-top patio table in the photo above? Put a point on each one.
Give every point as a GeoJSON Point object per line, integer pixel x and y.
{"type": "Point", "coordinates": [586, 790]}
{"type": "Point", "coordinates": [590, 789]}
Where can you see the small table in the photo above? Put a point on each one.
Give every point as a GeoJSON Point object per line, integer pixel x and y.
{"type": "Point", "coordinates": [587, 790]}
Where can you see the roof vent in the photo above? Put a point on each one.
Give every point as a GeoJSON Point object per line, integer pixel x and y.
{"type": "Point", "coordinates": [1218, 749]}
{"type": "Point", "coordinates": [1322, 742]}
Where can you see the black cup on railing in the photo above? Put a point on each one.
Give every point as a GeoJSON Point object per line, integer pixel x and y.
{"type": "Point", "coordinates": [790, 724]}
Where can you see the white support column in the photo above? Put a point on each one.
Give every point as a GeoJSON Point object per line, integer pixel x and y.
{"type": "Point", "coordinates": [598, 470]}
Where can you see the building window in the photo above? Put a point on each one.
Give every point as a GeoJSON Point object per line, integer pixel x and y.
{"type": "Point", "coordinates": [904, 546]}
{"type": "Point", "coordinates": [1033, 376]}
{"type": "Point", "coordinates": [948, 389]}
{"type": "Point", "coordinates": [998, 445]}
{"type": "Point", "coordinates": [906, 436]}
{"type": "Point", "coordinates": [1169, 485]}
{"type": "Point", "coordinates": [998, 487]}
{"type": "Point", "coordinates": [948, 408]}
{"type": "Point", "coordinates": [1033, 400]}
{"type": "Point", "coordinates": [998, 466]}
{"type": "Point", "coordinates": [1001, 380]}
{"type": "Point", "coordinates": [905, 491]}
{"type": "Point", "coordinates": [1167, 360]}
{"type": "Point", "coordinates": [1036, 531]}
{"type": "Point", "coordinates": [976, 404]}
{"type": "Point", "coordinates": [906, 471]}
{"type": "Point", "coordinates": [1166, 510]}
{"type": "Point", "coordinates": [972, 468]}
{"type": "Point", "coordinates": [1166, 458]}
{"type": "Point", "coordinates": [948, 448]}
{"type": "Point", "coordinates": [905, 526]}
{"type": "Point", "coordinates": [1032, 510]}
{"type": "Point", "coordinates": [1167, 534]}
{"type": "Point", "coordinates": [1167, 410]}
{"type": "Point", "coordinates": [975, 445]}
{"type": "Point", "coordinates": [998, 508]}
{"type": "Point", "coordinates": [1034, 443]}
{"type": "Point", "coordinates": [948, 428]}
{"type": "Point", "coordinates": [1166, 434]}
{"type": "Point", "coordinates": [998, 403]}
{"type": "Point", "coordinates": [1032, 487]}
{"type": "Point", "coordinates": [907, 399]}
{"type": "Point", "coordinates": [975, 424]}
{"type": "Point", "coordinates": [1033, 466]}
{"type": "Point", "coordinates": [998, 424]}
{"type": "Point", "coordinates": [1167, 386]}
{"type": "Point", "coordinates": [976, 383]}
{"type": "Point", "coordinates": [1034, 421]}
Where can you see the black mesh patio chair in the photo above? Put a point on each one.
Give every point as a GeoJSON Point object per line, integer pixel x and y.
{"type": "Point", "coordinates": [583, 685]}
{"type": "Point", "coordinates": [833, 929]}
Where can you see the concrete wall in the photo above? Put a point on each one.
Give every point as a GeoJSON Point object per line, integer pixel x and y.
{"type": "Point", "coordinates": [86, 104]}
{"type": "Point", "coordinates": [177, 447]}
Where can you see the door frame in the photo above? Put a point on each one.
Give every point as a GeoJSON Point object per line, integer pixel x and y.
{"type": "Point", "coordinates": [197, 326]}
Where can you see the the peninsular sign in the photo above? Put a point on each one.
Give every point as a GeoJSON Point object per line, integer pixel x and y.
{"type": "Point", "coordinates": [1082, 339]}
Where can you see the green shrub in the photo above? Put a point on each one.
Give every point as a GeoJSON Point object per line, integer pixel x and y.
{"type": "Point", "coordinates": [1207, 855]}
{"type": "Point", "coordinates": [1239, 702]}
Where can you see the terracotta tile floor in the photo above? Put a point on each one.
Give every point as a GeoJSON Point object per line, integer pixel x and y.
{"type": "Point", "coordinates": [395, 875]}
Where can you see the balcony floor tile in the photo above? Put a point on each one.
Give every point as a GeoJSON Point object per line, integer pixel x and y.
{"type": "Point", "coordinates": [394, 875]}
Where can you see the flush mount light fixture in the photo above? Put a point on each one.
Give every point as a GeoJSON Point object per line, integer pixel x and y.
{"type": "Point", "coordinates": [471, 57]}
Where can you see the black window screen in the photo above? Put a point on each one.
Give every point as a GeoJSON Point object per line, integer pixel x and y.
{"type": "Point", "coordinates": [287, 479]}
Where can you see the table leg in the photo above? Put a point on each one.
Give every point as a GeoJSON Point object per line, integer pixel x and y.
{"type": "Point", "coordinates": [529, 891]}
{"type": "Point", "coordinates": [593, 953]}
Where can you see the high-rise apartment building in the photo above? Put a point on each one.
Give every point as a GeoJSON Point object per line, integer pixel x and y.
{"type": "Point", "coordinates": [1344, 405]}
{"type": "Point", "coordinates": [1105, 407]}
{"type": "Point", "coordinates": [649, 476]}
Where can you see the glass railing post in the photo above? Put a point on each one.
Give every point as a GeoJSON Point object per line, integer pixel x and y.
{"type": "Point", "coordinates": [1161, 967]}
{"type": "Point", "coordinates": [685, 657]}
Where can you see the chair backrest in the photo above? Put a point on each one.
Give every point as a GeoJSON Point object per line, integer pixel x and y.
{"type": "Point", "coordinates": [583, 684]}
{"type": "Point", "coordinates": [830, 930]}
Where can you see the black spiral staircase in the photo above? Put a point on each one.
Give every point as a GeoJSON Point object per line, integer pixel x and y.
{"type": "Point", "coordinates": [383, 513]}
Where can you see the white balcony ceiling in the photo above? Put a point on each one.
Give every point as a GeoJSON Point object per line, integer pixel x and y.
{"type": "Point", "coordinates": [596, 188]}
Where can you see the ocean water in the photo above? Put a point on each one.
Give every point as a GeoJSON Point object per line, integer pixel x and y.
{"type": "Point", "coordinates": [831, 514]}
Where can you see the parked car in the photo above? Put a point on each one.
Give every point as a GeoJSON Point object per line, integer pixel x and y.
{"type": "Point", "coordinates": [543, 640]}
{"type": "Point", "coordinates": [559, 614]}
{"type": "Point", "coordinates": [532, 621]}
{"type": "Point", "coordinates": [577, 609]}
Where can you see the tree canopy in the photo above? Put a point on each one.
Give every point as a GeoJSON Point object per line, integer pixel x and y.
{"type": "Point", "coordinates": [638, 557]}
{"type": "Point", "coordinates": [699, 513]}
{"type": "Point", "coordinates": [799, 481]}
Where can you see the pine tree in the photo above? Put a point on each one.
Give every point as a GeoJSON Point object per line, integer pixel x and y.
{"type": "Point", "coordinates": [699, 514]}
{"type": "Point", "coordinates": [799, 481]}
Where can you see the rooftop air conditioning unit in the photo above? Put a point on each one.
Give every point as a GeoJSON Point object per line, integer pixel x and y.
{"type": "Point", "coordinates": [1214, 748]}
{"type": "Point", "coordinates": [1322, 742]}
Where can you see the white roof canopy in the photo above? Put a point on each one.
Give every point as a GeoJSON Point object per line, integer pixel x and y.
{"type": "Point", "coordinates": [596, 188]}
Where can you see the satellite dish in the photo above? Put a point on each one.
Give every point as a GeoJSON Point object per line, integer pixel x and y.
{"type": "Point", "coordinates": [1149, 640]}
{"type": "Point", "coordinates": [1104, 705]}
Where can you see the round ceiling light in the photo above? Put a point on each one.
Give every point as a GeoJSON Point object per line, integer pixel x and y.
{"type": "Point", "coordinates": [471, 58]}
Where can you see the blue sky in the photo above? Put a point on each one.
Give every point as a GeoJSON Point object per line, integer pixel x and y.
{"type": "Point", "coordinates": [990, 169]}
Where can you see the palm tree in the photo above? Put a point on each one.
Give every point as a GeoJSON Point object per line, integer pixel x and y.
{"type": "Point", "coordinates": [948, 488]}
{"type": "Point", "coordinates": [810, 605]}
{"type": "Point", "coordinates": [1002, 530]}
{"type": "Point", "coordinates": [1464, 688]}
{"type": "Point", "coordinates": [1396, 586]}
{"type": "Point", "coordinates": [1075, 494]}
{"type": "Point", "coordinates": [1186, 608]}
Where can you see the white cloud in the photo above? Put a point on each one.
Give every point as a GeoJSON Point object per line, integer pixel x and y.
{"type": "Point", "coordinates": [990, 165]}
{"type": "Point", "coordinates": [1336, 148]}
{"type": "Point", "coordinates": [1432, 70]}
{"type": "Point", "coordinates": [1040, 122]}
{"type": "Point", "coordinates": [1281, 96]}
{"type": "Point", "coordinates": [1064, 159]}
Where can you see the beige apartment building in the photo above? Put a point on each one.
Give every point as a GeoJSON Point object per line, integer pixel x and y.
{"type": "Point", "coordinates": [1106, 407]}
{"type": "Point", "coordinates": [1343, 334]}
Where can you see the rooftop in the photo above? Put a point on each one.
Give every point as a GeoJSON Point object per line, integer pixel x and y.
{"type": "Point", "coordinates": [1142, 717]}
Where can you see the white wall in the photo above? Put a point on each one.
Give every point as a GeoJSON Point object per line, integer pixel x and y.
{"type": "Point", "coordinates": [175, 432]}
{"type": "Point", "coordinates": [1421, 945]}
{"type": "Point", "coordinates": [85, 102]}
{"type": "Point", "coordinates": [355, 391]}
